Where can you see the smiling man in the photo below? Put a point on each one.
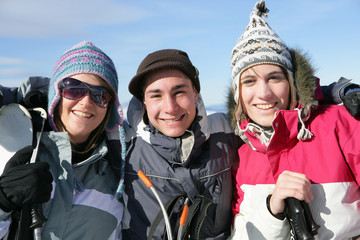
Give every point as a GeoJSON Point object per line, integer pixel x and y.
{"type": "Point", "coordinates": [169, 101]}
{"type": "Point", "coordinates": [186, 154]}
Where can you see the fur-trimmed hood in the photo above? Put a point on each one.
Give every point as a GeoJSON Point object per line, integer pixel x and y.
{"type": "Point", "coordinates": [304, 89]}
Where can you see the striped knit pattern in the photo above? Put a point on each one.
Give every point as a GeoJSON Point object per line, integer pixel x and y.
{"type": "Point", "coordinates": [259, 44]}
{"type": "Point", "coordinates": [121, 185]}
{"type": "Point", "coordinates": [86, 58]}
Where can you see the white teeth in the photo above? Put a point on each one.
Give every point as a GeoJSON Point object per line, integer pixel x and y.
{"type": "Point", "coordinates": [265, 106]}
{"type": "Point", "coordinates": [82, 114]}
{"type": "Point", "coordinates": [171, 121]}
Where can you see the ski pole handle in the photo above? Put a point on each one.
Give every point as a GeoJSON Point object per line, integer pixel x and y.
{"type": "Point", "coordinates": [37, 220]}
{"type": "Point", "coordinates": [37, 217]}
{"type": "Point", "coordinates": [311, 224]}
{"type": "Point", "coordinates": [294, 212]}
{"type": "Point", "coordinates": [148, 183]}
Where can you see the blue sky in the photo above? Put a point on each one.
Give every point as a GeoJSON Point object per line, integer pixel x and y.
{"type": "Point", "coordinates": [34, 34]}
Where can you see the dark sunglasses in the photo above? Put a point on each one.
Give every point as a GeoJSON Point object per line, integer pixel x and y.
{"type": "Point", "coordinates": [74, 89]}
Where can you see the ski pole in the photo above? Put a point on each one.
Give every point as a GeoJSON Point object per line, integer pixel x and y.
{"type": "Point", "coordinates": [37, 217]}
{"type": "Point", "coordinates": [148, 183]}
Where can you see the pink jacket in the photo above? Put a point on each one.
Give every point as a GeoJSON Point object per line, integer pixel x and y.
{"type": "Point", "coordinates": [330, 159]}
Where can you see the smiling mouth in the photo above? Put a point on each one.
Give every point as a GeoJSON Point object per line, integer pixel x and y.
{"type": "Point", "coordinates": [82, 114]}
{"type": "Point", "coordinates": [173, 120]}
{"type": "Point", "coordinates": [265, 106]}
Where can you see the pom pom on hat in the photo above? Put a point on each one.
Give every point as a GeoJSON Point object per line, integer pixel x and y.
{"type": "Point", "coordinates": [261, 10]}
{"type": "Point", "coordinates": [258, 44]}
{"type": "Point", "coordinates": [85, 58]}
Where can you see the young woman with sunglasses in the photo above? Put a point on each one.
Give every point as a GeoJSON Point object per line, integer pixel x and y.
{"type": "Point", "coordinates": [84, 149]}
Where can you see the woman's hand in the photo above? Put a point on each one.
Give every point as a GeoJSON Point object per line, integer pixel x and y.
{"type": "Point", "coordinates": [290, 184]}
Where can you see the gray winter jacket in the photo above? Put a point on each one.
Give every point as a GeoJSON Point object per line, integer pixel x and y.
{"type": "Point", "coordinates": [87, 212]}
{"type": "Point", "coordinates": [203, 176]}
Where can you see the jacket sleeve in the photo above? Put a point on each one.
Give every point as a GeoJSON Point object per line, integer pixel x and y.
{"type": "Point", "coordinates": [334, 93]}
{"type": "Point", "coordinates": [254, 221]}
{"type": "Point", "coordinates": [349, 132]}
{"type": "Point", "coordinates": [27, 88]}
{"type": "Point", "coordinates": [5, 221]}
{"type": "Point", "coordinates": [39, 84]}
{"type": "Point", "coordinates": [7, 95]}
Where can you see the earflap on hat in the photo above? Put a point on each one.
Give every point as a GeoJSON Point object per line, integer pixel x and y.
{"type": "Point", "coordinates": [259, 44]}
{"type": "Point", "coordinates": [86, 58]}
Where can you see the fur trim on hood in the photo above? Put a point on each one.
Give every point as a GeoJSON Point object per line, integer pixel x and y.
{"type": "Point", "coordinates": [305, 85]}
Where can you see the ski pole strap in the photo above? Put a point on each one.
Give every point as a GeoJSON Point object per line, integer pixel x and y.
{"type": "Point", "coordinates": [169, 206]}
{"type": "Point", "coordinates": [196, 216]}
{"type": "Point", "coordinates": [20, 222]}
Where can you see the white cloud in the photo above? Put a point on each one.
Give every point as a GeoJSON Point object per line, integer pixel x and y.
{"type": "Point", "coordinates": [10, 61]}
{"type": "Point", "coordinates": [13, 72]}
{"type": "Point", "coordinates": [50, 18]}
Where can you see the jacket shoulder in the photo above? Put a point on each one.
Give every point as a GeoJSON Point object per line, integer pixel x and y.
{"type": "Point", "coordinates": [334, 115]}
{"type": "Point", "coordinates": [218, 122]}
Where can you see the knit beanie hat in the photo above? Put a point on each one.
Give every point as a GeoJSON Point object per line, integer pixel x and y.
{"type": "Point", "coordinates": [166, 58]}
{"type": "Point", "coordinates": [259, 44]}
{"type": "Point", "coordinates": [85, 58]}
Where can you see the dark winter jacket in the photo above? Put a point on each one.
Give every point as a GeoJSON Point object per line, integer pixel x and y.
{"type": "Point", "coordinates": [204, 176]}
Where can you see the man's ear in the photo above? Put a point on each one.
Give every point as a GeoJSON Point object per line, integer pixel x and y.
{"type": "Point", "coordinates": [144, 105]}
{"type": "Point", "coordinates": [196, 94]}
{"type": "Point", "coordinates": [145, 116]}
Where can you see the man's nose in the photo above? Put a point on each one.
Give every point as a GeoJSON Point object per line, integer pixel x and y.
{"type": "Point", "coordinates": [170, 104]}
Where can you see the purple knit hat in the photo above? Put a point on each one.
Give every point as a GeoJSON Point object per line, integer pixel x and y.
{"type": "Point", "coordinates": [85, 57]}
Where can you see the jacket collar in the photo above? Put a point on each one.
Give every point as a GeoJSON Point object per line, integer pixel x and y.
{"type": "Point", "coordinates": [286, 123]}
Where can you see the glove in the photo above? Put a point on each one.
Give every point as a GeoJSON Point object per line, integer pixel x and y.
{"type": "Point", "coordinates": [22, 184]}
{"type": "Point", "coordinates": [35, 99]}
{"type": "Point", "coordinates": [351, 102]}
